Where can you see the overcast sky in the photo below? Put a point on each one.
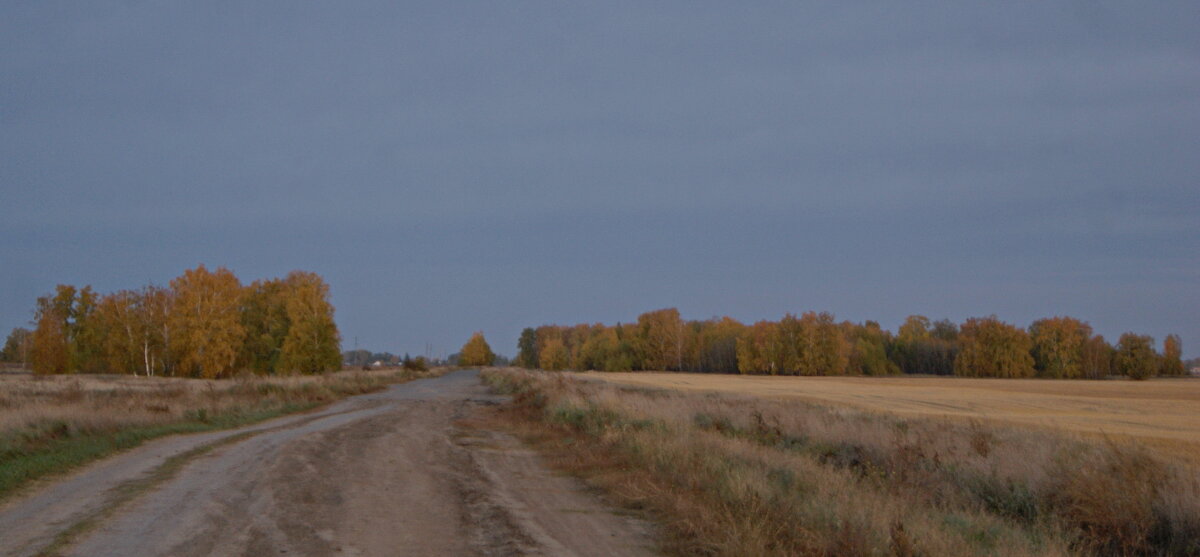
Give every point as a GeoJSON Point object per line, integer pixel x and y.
{"type": "Point", "coordinates": [452, 167]}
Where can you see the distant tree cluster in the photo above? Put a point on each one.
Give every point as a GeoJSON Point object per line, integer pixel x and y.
{"type": "Point", "coordinates": [205, 324]}
{"type": "Point", "coordinates": [817, 344]}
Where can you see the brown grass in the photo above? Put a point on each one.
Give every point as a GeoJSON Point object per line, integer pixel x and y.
{"type": "Point", "coordinates": [740, 475]}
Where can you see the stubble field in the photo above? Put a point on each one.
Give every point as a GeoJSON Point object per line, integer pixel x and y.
{"type": "Point", "coordinates": [1162, 414]}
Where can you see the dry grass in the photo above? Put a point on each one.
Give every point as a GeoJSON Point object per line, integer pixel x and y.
{"type": "Point", "coordinates": [49, 424]}
{"type": "Point", "coordinates": [1160, 413]}
{"type": "Point", "coordinates": [740, 475]}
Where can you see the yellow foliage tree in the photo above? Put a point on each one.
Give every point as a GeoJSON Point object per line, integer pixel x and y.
{"type": "Point", "coordinates": [116, 314]}
{"type": "Point", "coordinates": [49, 351]}
{"type": "Point", "coordinates": [51, 343]}
{"type": "Point", "coordinates": [1172, 360]}
{"type": "Point", "coordinates": [1136, 357]}
{"type": "Point", "coordinates": [205, 323]}
{"type": "Point", "coordinates": [476, 352]}
{"type": "Point", "coordinates": [16, 347]}
{"type": "Point", "coordinates": [155, 304]}
{"type": "Point", "coordinates": [554, 355]}
{"type": "Point", "coordinates": [1058, 346]}
{"type": "Point", "coordinates": [313, 343]}
{"type": "Point", "coordinates": [660, 339]}
{"type": "Point", "coordinates": [993, 348]}
{"type": "Point", "coordinates": [756, 351]}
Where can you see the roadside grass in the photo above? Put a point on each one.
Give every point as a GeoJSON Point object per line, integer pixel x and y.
{"type": "Point", "coordinates": [739, 475]}
{"type": "Point", "coordinates": [50, 425]}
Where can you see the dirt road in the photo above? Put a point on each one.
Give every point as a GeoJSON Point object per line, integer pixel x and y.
{"type": "Point", "coordinates": [383, 474]}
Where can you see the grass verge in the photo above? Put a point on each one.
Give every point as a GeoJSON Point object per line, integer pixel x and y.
{"type": "Point", "coordinates": [730, 475]}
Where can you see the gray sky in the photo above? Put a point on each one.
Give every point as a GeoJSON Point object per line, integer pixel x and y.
{"type": "Point", "coordinates": [493, 165]}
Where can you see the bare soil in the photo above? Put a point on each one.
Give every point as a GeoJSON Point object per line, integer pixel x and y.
{"type": "Point", "coordinates": [393, 473]}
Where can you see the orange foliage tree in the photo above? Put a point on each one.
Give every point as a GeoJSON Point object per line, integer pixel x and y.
{"type": "Point", "coordinates": [1172, 357]}
{"type": "Point", "coordinates": [204, 325]}
{"type": "Point", "coordinates": [476, 352]}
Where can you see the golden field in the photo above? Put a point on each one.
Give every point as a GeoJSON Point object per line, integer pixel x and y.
{"type": "Point", "coordinates": [1160, 413]}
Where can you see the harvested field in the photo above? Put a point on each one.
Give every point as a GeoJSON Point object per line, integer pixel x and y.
{"type": "Point", "coordinates": [1160, 413]}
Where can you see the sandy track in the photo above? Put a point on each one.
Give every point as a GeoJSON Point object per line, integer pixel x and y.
{"type": "Point", "coordinates": [383, 474]}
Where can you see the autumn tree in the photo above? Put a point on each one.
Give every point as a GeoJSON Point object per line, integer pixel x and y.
{"type": "Point", "coordinates": [527, 356]}
{"type": "Point", "coordinates": [814, 344]}
{"type": "Point", "coordinates": [598, 350]}
{"type": "Point", "coordinates": [264, 317]}
{"type": "Point", "coordinates": [1058, 346]}
{"type": "Point", "coordinates": [574, 338]}
{"type": "Point", "coordinates": [121, 345]}
{"type": "Point", "coordinates": [476, 352]}
{"type": "Point", "coordinates": [17, 345]}
{"type": "Point", "coordinates": [757, 348]}
{"type": "Point", "coordinates": [993, 348]}
{"type": "Point", "coordinates": [51, 343]}
{"type": "Point", "coordinates": [86, 333]}
{"type": "Point", "coordinates": [822, 349]}
{"type": "Point", "coordinates": [554, 355]}
{"type": "Point", "coordinates": [914, 328]}
{"type": "Point", "coordinates": [1096, 361]}
{"type": "Point", "coordinates": [716, 345]}
{"type": "Point", "coordinates": [49, 353]}
{"type": "Point", "coordinates": [1172, 358]}
{"type": "Point", "coordinates": [205, 322]}
{"type": "Point", "coordinates": [924, 346]}
{"type": "Point", "coordinates": [1136, 357]}
{"type": "Point", "coordinates": [660, 339]}
{"type": "Point", "coordinates": [313, 343]}
{"type": "Point", "coordinates": [868, 355]}
{"type": "Point", "coordinates": [155, 305]}
{"type": "Point", "coordinates": [626, 357]}
{"type": "Point", "coordinates": [542, 337]}
{"type": "Point", "coordinates": [786, 345]}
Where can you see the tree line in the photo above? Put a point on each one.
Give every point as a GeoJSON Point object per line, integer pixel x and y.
{"type": "Point", "coordinates": [204, 324]}
{"type": "Point", "coordinates": [817, 344]}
